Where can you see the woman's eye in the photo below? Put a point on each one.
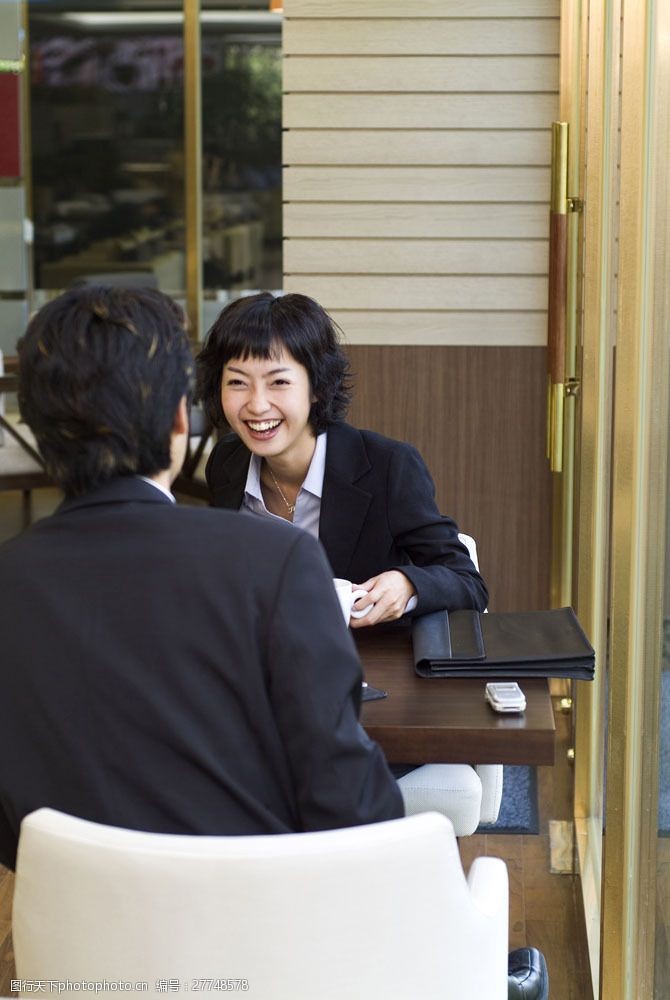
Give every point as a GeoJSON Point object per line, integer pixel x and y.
{"type": "Point", "coordinates": [234, 382]}
{"type": "Point", "coordinates": [281, 381]}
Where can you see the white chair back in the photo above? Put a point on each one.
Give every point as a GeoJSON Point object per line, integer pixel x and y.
{"type": "Point", "coordinates": [381, 911]}
{"type": "Point", "coordinates": [471, 546]}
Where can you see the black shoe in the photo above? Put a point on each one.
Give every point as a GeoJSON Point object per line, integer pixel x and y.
{"type": "Point", "coordinates": [527, 977]}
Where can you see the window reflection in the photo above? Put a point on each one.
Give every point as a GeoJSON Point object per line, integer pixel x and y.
{"type": "Point", "coordinates": [107, 95]}
{"type": "Point", "coordinates": [106, 118]}
{"type": "Point", "coordinates": [241, 125]}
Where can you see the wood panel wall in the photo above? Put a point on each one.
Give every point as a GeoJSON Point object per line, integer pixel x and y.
{"type": "Point", "coordinates": [416, 186]}
{"type": "Point", "coordinates": [476, 415]}
{"type": "Point", "coordinates": [417, 150]}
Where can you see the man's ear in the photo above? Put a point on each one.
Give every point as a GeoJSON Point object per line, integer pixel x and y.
{"type": "Point", "coordinates": [180, 424]}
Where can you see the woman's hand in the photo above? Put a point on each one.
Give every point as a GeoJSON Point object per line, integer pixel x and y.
{"type": "Point", "coordinates": [389, 593]}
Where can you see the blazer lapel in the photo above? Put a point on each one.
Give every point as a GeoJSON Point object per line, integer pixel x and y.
{"type": "Point", "coordinates": [344, 505]}
{"type": "Point", "coordinates": [233, 471]}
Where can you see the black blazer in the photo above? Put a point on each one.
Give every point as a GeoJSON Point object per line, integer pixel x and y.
{"type": "Point", "coordinates": [180, 670]}
{"type": "Point", "coordinates": [378, 513]}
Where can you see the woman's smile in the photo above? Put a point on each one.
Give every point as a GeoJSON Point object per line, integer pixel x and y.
{"type": "Point", "coordinates": [263, 430]}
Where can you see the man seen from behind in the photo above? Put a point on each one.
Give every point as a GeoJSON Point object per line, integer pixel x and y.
{"type": "Point", "coordinates": [164, 668]}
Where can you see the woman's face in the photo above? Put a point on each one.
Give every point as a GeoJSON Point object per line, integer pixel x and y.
{"type": "Point", "coordinates": [267, 402]}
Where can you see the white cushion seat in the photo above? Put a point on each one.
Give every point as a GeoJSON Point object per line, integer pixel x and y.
{"type": "Point", "coordinates": [452, 789]}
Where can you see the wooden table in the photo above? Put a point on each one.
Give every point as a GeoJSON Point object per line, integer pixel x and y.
{"type": "Point", "coordinates": [442, 720]}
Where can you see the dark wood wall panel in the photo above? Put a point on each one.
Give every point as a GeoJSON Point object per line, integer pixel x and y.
{"type": "Point", "coordinates": [477, 415]}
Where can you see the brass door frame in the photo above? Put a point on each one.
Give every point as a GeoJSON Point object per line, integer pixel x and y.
{"type": "Point", "coordinates": [601, 40]}
{"type": "Point", "coordinates": [193, 166]}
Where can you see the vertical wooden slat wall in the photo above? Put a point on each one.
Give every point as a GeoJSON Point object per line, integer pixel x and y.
{"type": "Point", "coordinates": [416, 188]}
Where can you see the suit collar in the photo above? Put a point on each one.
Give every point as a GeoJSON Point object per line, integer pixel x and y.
{"type": "Point", "coordinates": [344, 505]}
{"type": "Point", "coordinates": [233, 473]}
{"type": "Point", "coordinates": [123, 489]}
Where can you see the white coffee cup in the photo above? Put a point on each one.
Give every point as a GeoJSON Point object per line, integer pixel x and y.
{"type": "Point", "coordinates": [347, 597]}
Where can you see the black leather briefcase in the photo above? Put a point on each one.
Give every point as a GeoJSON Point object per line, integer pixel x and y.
{"type": "Point", "coordinates": [513, 644]}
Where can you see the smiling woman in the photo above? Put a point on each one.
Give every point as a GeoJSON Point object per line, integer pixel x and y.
{"type": "Point", "coordinates": [274, 373]}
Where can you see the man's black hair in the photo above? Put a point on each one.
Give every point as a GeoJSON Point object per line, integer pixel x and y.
{"type": "Point", "coordinates": [101, 373]}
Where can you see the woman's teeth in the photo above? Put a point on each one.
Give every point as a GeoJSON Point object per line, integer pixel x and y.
{"type": "Point", "coordinates": [263, 425]}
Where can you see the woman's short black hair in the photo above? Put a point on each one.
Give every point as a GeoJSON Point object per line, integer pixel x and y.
{"type": "Point", "coordinates": [101, 373]}
{"type": "Point", "coordinates": [256, 326]}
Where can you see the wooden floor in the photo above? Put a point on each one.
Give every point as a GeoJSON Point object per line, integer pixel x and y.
{"type": "Point", "coordinates": [545, 909]}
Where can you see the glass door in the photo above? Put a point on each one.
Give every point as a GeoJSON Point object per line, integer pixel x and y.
{"type": "Point", "coordinates": [602, 35]}
{"type": "Point", "coordinates": [622, 779]}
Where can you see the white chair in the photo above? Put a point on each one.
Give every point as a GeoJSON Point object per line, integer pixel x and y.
{"type": "Point", "coordinates": [382, 912]}
{"type": "Point", "coordinates": [467, 795]}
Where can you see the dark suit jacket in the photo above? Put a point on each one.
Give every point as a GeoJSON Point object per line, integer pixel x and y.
{"type": "Point", "coordinates": [178, 669]}
{"type": "Point", "coordinates": [378, 513]}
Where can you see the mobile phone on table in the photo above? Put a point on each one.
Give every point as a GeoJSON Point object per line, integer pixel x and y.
{"type": "Point", "coordinates": [505, 696]}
